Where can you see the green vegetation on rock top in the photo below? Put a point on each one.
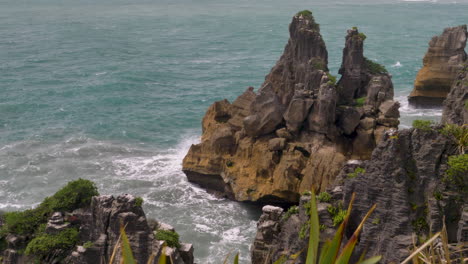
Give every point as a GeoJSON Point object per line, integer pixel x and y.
{"type": "Point", "coordinates": [424, 125]}
{"type": "Point", "coordinates": [358, 171]}
{"type": "Point", "coordinates": [305, 13]}
{"type": "Point", "coordinates": [374, 67]}
{"type": "Point", "coordinates": [457, 172]}
{"type": "Point", "coordinates": [291, 211]}
{"type": "Point", "coordinates": [324, 197]}
{"type": "Point", "coordinates": [76, 194]}
{"type": "Point", "coordinates": [171, 237]}
{"type": "Point", "coordinates": [308, 15]}
{"type": "Point", "coordinates": [47, 244]}
{"type": "Point", "coordinates": [359, 102]}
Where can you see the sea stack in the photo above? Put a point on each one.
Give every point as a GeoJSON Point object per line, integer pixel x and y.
{"type": "Point", "coordinates": [300, 127]}
{"type": "Point", "coordinates": [443, 60]}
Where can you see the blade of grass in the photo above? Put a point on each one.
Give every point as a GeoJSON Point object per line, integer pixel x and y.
{"type": "Point", "coordinates": [330, 253]}
{"type": "Point", "coordinates": [421, 248]}
{"type": "Point", "coordinates": [236, 259]}
{"type": "Point", "coordinates": [227, 257]}
{"type": "Point", "coordinates": [114, 251]}
{"type": "Point", "coordinates": [151, 259]}
{"type": "Point", "coordinates": [127, 254]}
{"type": "Point", "coordinates": [313, 232]}
{"type": "Point", "coordinates": [349, 247]}
{"type": "Point", "coordinates": [371, 260]}
{"type": "Point", "coordinates": [444, 238]}
{"type": "Point", "coordinates": [162, 258]}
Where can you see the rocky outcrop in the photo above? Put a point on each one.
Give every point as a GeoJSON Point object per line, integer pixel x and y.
{"type": "Point", "coordinates": [441, 64]}
{"type": "Point", "coordinates": [299, 128]}
{"type": "Point", "coordinates": [456, 104]}
{"type": "Point", "coordinates": [99, 231]}
{"type": "Point", "coordinates": [404, 177]}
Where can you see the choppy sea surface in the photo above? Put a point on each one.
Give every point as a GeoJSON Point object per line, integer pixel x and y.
{"type": "Point", "coordinates": [115, 90]}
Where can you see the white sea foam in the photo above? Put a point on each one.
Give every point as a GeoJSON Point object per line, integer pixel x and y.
{"type": "Point", "coordinates": [407, 110]}
{"type": "Point", "coordinates": [397, 64]}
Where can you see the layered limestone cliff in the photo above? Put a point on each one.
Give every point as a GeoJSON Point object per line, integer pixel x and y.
{"type": "Point", "coordinates": [300, 127]}
{"type": "Point", "coordinates": [443, 60]}
{"type": "Point", "coordinates": [98, 232]}
{"type": "Point", "coordinates": [456, 104]}
{"type": "Point", "coordinates": [404, 178]}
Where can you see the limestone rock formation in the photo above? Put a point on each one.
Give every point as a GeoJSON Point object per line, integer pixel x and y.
{"type": "Point", "coordinates": [441, 64]}
{"type": "Point", "coordinates": [99, 226]}
{"type": "Point", "coordinates": [299, 128]}
{"type": "Point", "coordinates": [456, 104]}
{"type": "Point", "coordinates": [404, 177]}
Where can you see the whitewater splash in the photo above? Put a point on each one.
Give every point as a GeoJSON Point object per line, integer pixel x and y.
{"type": "Point", "coordinates": [397, 64]}
{"type": "Point", "coordinates": [408, 113]}
{"type": "Point", "coordinates": [215, 226]}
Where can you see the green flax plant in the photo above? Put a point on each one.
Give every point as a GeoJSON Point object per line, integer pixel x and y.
{"type": "Point", "coordinates": [330, 252]}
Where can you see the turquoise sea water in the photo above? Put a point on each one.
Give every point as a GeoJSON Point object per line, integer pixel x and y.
{"type": "Point", "coordinates": [114, 91]}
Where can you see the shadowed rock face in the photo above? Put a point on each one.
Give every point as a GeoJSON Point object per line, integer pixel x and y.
{"type": "Point", "coordinates": [100, 224]}
{"type": "Point", "coordinates": [404, 177]}
{"type": "Point", "coordinates": [456, 104]}
{"type": "Point", "coordinates": [296, 131]}
{"type": "Point", "coordinates": [443, 60]}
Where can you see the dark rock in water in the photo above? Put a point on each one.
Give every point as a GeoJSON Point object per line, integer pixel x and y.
{"type": "Point", "coordinates": [300, 127]}
{"type": "Point", "coordinates": [442, 62]}
{"type": "Point", "coordinates": [456, 104]}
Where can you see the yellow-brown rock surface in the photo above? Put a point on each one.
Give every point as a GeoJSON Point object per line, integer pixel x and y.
{"type": "Point", "coordinates": [443, 60]}
{"type": "Point", "coordinates": [271, 145]}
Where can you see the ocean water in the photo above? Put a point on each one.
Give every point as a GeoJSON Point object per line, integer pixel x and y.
{"type": "Point", "coordinates": [115, 90]}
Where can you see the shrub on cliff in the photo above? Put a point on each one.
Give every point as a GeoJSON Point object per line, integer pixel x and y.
{"type": "Point", "coordinates": [424, 125]}
{"type": "Point", "coordinates": [330, 252]}
{"type": "Point", "coordinates": [458, 134]}
{"type": "Point", "coordinates": [170, 237]}
{"type": "Point", "coordinates": [308, 15]}
{"type": "Point", "coordinates": [76, 194]}
{"type": "Point", "coordinates": [457, 172]}
{"type": "Point", "coordinates": [374, 67]}
{"type": "Point", "coordinates": [45, 245]}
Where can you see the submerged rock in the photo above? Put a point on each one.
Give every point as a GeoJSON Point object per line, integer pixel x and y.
{"type": "Point", "coordinates": [299, 128]}
{"type": "Point", "coordinates": [441, 64]}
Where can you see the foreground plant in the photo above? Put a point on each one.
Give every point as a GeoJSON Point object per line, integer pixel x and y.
{"type": "Point", "coordinates": [433, 252]}
{"type": "Point", "coordinates": [330, 252]}
{"type": "Point", "coordinates": [126, 253]}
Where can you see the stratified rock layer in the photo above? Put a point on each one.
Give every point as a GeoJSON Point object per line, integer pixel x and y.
{"type": "Point", "coordinates": [403, 177]}
{"type": "Point", "coordinates": [299, 128]}
{"type": "Point", "coordinates": [99, 226]}
{"type": "Point", "coordinates": [441, 64]}
{"type": "Point", "coordinates": [456, 104]}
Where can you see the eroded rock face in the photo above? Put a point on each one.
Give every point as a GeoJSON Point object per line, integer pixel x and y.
{"type": "Point", "coordinates": [456, 104]}
{"type": "Point", "coordinates": [404, 177]}
{"type": "Point", "coordinates": [297, 130]}
{"type": "Point", "coordinates": [100, 225]}
{"type": "Point", "coordinates": [441, 64]}
{"type": "Point", "coordinates": [99, 230]}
